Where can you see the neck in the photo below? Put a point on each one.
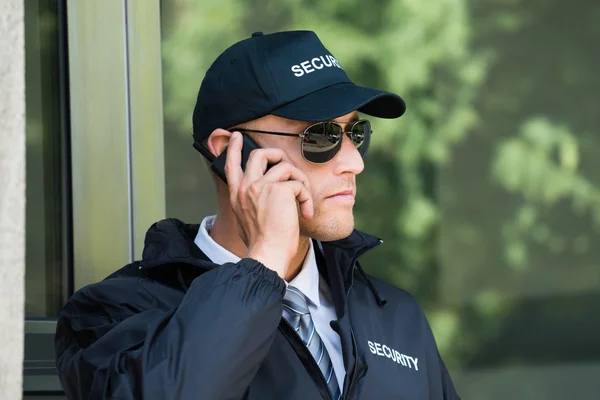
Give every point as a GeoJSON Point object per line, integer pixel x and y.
{"type": "Point", "coordinates": [224, 232]}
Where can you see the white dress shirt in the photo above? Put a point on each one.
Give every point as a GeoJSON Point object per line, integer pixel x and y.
{"type": "Point", "coordinates": [308, 281]}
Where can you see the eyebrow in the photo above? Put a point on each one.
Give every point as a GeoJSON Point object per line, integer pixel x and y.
{"type": "Point", "coordinates": [352, 119]}
{"type": "Point", "coordinates": [345, 123]}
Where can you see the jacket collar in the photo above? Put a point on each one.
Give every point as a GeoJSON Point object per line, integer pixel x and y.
{"type": "Point", "coordinates": [172, 241]}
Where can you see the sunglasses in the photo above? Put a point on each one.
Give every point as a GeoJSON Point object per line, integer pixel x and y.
{"type": "Point", "coordinates": [323, 140]}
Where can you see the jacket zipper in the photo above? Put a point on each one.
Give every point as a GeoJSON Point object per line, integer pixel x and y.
{"type": "Point", "coordinates": [312, 361]}
{"type": "Point", "coordinates": [353, 378]}
{"type": "Point", "coordinates": [346, 396]}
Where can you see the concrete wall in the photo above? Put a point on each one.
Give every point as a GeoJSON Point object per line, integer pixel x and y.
{"type": "Point", "coordinates": [12, 196]}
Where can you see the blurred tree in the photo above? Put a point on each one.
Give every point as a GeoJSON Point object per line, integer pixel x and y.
{"type": "Point", "coordinates": [528, 188]}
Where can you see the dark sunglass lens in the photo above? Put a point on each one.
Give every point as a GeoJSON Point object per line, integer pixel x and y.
{"type": "Point", "coordinates": [322, 142]}
{"type": "Point", "coordinates": [361, 136]}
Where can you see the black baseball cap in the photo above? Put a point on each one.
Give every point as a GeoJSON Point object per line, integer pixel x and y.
{"type": "Point", "coordinates": [289, 74]}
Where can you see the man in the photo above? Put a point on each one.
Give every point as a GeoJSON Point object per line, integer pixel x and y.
{"type": "Point", "coordinates": [266, 300]}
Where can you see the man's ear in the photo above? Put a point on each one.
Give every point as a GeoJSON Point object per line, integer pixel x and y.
{"type": "Point", "coordinates": [218, 141]}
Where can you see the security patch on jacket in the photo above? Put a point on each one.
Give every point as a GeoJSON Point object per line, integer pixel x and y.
{"type": "Point", "coordinates": [394, 355]}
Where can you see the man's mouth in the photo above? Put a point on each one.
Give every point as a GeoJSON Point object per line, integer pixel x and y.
{"type": "Point", "coordinates": [345, 195]}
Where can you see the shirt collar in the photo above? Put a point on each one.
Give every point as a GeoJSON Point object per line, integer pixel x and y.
{"type": "Point", "coordinates": [307, 280]}
{"type": "Point", "coordinates": [217, 254]}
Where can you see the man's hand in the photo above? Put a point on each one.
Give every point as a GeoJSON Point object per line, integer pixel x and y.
{"type": "Point", "coordinates": [267, 205]}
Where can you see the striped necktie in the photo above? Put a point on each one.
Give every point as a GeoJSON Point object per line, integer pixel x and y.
{"type": "Point", "coordinates": [295, 302]}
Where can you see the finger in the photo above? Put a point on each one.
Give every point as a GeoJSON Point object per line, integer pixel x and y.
{"type": "Point", "coordinates": [285, 171]}
{"type": "Point", "coordinates": [303, 197]}
{"type": "Point", "coordinates": [233, 163]}
{"type": "Point", "coordinates": [259, 160]}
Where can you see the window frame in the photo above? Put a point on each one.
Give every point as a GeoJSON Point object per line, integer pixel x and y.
{"type": "Point", "coordinates": [112, 152]}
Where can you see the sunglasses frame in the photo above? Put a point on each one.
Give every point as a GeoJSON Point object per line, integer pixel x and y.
{"type": "Point", "coordinates": [305, 133]}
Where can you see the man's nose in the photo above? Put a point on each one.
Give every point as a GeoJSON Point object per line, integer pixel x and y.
{"type": "Point", "coordinates": [348, 159]}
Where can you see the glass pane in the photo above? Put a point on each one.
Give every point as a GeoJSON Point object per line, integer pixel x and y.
{"type": "Point", "coordinates": [46, 255]}
{"type": "Point", "coordinates": [487, 193]}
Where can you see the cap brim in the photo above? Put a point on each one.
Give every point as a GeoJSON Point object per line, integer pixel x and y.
{"type": "Point", "coordinates": [340, 99]}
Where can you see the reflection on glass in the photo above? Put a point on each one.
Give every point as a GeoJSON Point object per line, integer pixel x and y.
{"type": "Point", "coordinates": [45, 193]}
{"type": "Point", "coordinates": [487, 193]}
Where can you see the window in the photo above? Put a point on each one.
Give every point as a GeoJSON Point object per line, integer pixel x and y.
{"type": "Point", "coordinates": [48, 253]}
{"type": "Point", "coordinates": [487, 193]}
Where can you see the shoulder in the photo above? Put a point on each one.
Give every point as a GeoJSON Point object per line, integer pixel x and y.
{"type": "Point", "coordinates": [398, 300]}
{"type": "Point", "coordinates": [393, 293]}
{"type": "Point", "coordinates": [122, 294]}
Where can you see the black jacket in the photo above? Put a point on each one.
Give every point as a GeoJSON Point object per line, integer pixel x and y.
{"type": "Point", "coordinates": [175, 326]}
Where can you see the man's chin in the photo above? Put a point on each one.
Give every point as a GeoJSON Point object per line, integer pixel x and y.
{"type": "Point", "coordinates": [338, 236]}
{"type": "Point", "coordinates": [329, 229]}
